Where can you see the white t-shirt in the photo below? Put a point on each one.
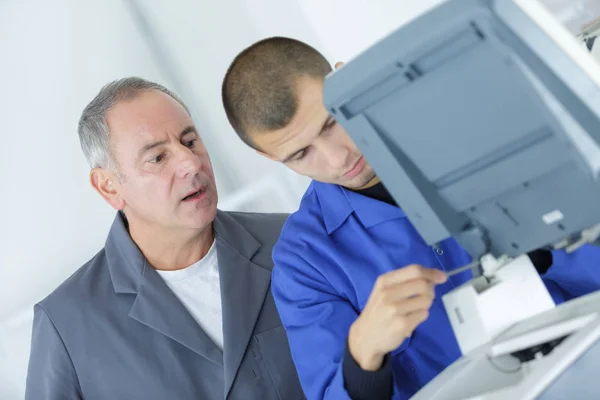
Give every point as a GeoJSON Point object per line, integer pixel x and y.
{"type": "Point", "coordinates": [199, 290]}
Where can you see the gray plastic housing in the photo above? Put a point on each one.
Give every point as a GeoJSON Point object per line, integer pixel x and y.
{"type": "Point", "coordinates": [479, 125]}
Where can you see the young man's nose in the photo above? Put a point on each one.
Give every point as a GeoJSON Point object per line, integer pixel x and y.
{"type": "Point", "coordinates": [336, 156]}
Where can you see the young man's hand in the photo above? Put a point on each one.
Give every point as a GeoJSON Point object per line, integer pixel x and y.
{"type": "Point", "coordinates": [399, 302]}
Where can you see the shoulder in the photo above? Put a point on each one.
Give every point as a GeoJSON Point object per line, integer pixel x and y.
{"type": "Point", "coordinates": [309, 215]}
{"type": "Point", "coordinates": [304, 234]}
{"type": "Point", "coordinates": [253, 219]}
{"type": "Point", "coordinates": [77, 292]}
{"type": "Point", "coordinates": [302, 255]}
{"type": "Point", "coordinates": [307, 224]}
{"type": "Point", "coordinates": [265, 227]}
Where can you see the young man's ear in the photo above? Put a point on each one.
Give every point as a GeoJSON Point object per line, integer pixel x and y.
{"type": "Point", "coordinates": [106, 184]}
{"type": "Point", "coordinates": [338, 64]}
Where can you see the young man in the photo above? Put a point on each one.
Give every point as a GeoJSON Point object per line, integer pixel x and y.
{"type": "Point", "coordinates": [363, 313]}
{"type": "Point", "coordinates": [177, 305]}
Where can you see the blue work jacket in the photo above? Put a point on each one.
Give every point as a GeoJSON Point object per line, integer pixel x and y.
{"type": "Point", "coordinates": [327, 260]}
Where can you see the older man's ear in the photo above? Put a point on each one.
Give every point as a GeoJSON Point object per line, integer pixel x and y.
{"type": "Point", "coordinates": [104, 182]}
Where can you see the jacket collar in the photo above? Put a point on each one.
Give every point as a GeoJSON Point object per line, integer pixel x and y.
{"type": "Point", "coordinates": [337, 203]}
{"type": "Point", "coordinates": [244, 285]}
{"type": "Point", "coordinates": [126, 262]}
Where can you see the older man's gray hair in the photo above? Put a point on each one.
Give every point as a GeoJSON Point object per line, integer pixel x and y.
{"type": "Point", "coordinates": [93, 129]}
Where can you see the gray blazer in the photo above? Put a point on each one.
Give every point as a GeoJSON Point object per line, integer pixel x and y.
{"type": "Point", "coordinates": [114, 330]}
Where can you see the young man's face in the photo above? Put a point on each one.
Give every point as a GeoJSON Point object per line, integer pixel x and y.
{"type": "Point", "coordinates": [314, 144]}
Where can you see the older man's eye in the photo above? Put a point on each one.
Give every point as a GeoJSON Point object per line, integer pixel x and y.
{"type": "Point", "coordinates": [157, 159]}
{"type": "Point", "coordinates": [190, 143]}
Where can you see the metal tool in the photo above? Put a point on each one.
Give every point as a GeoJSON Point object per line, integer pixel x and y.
{"type": "Point", "coordinates": [473, 265]}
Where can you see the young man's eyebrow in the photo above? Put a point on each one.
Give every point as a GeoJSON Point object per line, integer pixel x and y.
{"type": "Point", "coordinates": [325, 124]}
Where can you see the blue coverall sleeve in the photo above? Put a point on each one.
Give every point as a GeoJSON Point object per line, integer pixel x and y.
{"type": "Point", "coordinates": [575, 274]}
{"type": "Point", "coordinates": [317, 321]}
{"type": "Point", "coordinates": [50, 375]}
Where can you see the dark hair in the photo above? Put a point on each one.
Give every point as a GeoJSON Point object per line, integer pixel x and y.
{"type": "Point", "coordinates": [259, 89]}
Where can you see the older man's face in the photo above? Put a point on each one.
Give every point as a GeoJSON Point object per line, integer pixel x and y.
{"type": "Point", "coordinates": [167, 180]}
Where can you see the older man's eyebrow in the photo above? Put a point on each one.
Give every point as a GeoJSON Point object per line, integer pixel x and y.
{"type": "Point", "coordinates": [150, 146]}
{"type": "Point", "coordinates": [186, 130]}
{"type": "Point", "coordinates": [147, 147]}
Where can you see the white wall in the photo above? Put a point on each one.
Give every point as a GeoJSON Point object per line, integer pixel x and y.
{"type": "Point", "coordinates": [574, 14]}
{"type": "Point", "coordinates": [14, 351]}
{"type": "Point", "coordinates": [345, 28]}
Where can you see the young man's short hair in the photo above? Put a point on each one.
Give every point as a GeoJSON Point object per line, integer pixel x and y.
{"type": "Point", "coordinates": [259, 89]}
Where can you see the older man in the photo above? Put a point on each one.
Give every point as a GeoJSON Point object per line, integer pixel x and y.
{"type": "Point", "coordinates": [177, 305]}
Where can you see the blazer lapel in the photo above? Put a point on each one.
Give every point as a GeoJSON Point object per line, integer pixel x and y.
{"type": "Point", "coordinates": [244, 285]}
{"type": "Point", "coordinates": [157, 307]}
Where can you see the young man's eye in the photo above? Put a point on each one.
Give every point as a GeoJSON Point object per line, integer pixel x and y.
{"type": "Point", "coordinates": [301, 155]}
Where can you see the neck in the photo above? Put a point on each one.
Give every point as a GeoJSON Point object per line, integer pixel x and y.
{"type": "Point", "coordinates": [371, 183]}
{"type": "Point", "coordinates": [171, 250]}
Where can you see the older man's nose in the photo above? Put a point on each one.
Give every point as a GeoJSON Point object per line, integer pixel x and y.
{"type": "Point", "coordinates": [188, 163]}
